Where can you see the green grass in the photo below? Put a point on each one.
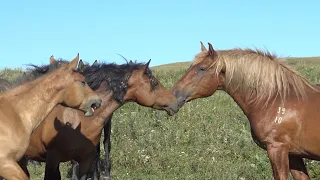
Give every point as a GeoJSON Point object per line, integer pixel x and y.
{"type": "Point", "coordinates": [208, 139]}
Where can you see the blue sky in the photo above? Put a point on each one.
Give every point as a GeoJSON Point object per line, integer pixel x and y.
{"type": "Point", "coordinates": [165, 31]}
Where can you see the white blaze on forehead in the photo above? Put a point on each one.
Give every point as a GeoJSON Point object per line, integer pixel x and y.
{"type": "Point", "coordinates": [71, 116]}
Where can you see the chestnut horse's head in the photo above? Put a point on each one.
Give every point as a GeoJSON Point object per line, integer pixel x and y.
{"type": "Point", "coordinates": [202, 78]}
{"type": "Point", "coordinates": [75, 91]}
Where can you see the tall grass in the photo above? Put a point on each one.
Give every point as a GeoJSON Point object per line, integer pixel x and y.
{"type": "Point", "coordinates": [208, 139]}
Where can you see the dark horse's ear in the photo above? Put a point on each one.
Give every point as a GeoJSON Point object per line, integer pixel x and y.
{"type": "Point", "coordinates": [95, 63]}
{"type": "Point", "coordinates": [80, 66]}
{"type": "Point", "coordinates": [212, 52]}
{"type": "Point", "coordinates": [145, 67]}
{"type": "Point", "coordinates": [52, 59]}
{"type": "Point", "coordinates": [203, 48]}
{"type": "Point", "coordinates": [130, 62]}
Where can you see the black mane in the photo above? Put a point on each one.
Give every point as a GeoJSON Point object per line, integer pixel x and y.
{"type": "Point", "coordinates": [37, 71]}
{"type": "Point", "coordinates": [115, 77]}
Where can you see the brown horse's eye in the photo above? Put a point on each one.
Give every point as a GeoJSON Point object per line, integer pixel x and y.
{"type": "Point", "coordinates": [83, 83]}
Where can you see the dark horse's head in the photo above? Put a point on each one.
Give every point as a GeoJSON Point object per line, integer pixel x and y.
{"type": "Point", "coordinates": [131, 82]}
{"type": "Point", "coordinates": [4, 85]}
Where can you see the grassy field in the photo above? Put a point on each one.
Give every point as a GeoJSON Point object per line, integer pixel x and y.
{"type": "Point", "coordinates": [208, 139]}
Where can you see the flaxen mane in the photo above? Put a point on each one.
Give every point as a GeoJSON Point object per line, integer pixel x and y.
{"type": "Point", "coordinates": [259, 74]}
{"type": "Point", "coordinates": [115, 77]}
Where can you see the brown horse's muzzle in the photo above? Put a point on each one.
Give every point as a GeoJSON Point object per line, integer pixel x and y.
{"type": "Point", "coordinates": [172, 108]}
{"type": "Point", "coordinates": [93, 104]}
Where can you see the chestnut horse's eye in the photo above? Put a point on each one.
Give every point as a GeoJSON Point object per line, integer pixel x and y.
{"type": "Point", "coordinates": [83, 83]}
{"type": "Point", "coordinates": [201, 69]}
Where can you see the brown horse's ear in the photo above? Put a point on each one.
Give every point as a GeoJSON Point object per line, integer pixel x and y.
{"type": "Point", "coordinates": [146, 69]}
{"type": "Point", "coordinates": [52, 59]}
{"type": "Point", "coordinates": [212, 52]}
{"type": "Point", "coordinates": [73, 64]}
{"type": "Point", "coordinates": [95, 63]}
{"type": "Point", "coordinates": [80, 65]}
{"type": "Point", "coordinates": [203, 48]}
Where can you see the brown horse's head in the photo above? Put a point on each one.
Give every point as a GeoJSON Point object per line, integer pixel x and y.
{"type": "Point", "coordinates": [75, 91]}
{"type": "Point", "coordinates": [202, 78]}
{"type": "Point", "coordinates": [146, 90]}
{"type": "Point", "coordinates": [131, 82]}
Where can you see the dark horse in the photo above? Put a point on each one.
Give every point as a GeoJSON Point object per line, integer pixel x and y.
{"type": "Point", "coordinates": [283, 108]}
{"type": "Point", "coordinates": [67, 135]}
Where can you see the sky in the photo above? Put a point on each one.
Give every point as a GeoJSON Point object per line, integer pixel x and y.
{"type": "Point", "coordinates": [164, 31]}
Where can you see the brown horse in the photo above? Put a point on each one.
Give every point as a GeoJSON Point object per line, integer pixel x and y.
{"type": "Point", "coordinates": [23, 108]}
{"type": "Point", "coordinates": [282, 106]}
{"type": "Point", "coordinates": [67, 135]}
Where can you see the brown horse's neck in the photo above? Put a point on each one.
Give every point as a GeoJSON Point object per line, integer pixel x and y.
{"type": "Point", "coordinates": [95, 124]}
{"type": "Point", "coordinates": [35, 103]}
{"type": "Point", "coordinates": [109, 105]}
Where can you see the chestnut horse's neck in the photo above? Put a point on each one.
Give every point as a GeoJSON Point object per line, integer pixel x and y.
{"type": "Point", "coordinates": [34, 100]}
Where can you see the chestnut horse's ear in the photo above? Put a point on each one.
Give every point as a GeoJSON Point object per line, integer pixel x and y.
{"type": "Point", "coordinates": [52, 59]}
{"type": "Point", "coordinates": [81, 65]}
{"type": "Point", "coordinates": [95, 63]}
{"type": "Point", "coordinates": [212, 52]}
{"type": "Point", "coordinates": [73, 64]}
{"type": "Point", "coordinates": [203, 48]}
{"type": "Point", "coordinates": [145, 68]}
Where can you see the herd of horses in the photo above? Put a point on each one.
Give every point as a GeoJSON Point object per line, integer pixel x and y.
{"type": "Point", "coordinates": [57, 112]}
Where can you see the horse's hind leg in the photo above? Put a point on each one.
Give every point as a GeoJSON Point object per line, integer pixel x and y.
{"type": "Point", "coordinates": [298, 168]}
{"type": "Point", "coordinates": [10, 169]}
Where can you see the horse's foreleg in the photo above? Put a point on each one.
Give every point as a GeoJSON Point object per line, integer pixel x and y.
{"type": "Point", "coordinates": [75, 170]}
{"type": "Point", "coordinates": [85, 165]}
{"type": "Point", "coordinates": [298, 168]}
{"type": "Point", "coordinates": [52, 171]}
{"type": "Point", "coordinates": [10, 170]}
{"type": "Point", "coordinates": [23, 164]}
{"type": "Point", "coordinates": [278, 156]}
{"type": "Point", "coordinates": [107, 147]}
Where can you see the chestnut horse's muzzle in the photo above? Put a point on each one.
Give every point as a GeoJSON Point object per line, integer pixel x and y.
{"type": "Point", "coordinates": [181, 97]}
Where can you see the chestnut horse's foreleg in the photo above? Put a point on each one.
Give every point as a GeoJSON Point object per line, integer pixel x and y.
{"type": "Point", "coordinates": [107, 147]}
{"type": "Point", "coordinates": [10, 170]}
{"type": "Point", "coordinates": [298, 168]}
{"type": "Point", "coordinates": [52, 171]}
{"type": "Point", "coordinates": [278, 156]}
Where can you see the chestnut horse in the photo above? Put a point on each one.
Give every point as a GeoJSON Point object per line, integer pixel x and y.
{"type": "Point", "coordinates": [281, 105]}
{"type": "Point", "coordinates": [23, 108]}
{"type": "Point", "coordinates": [67, 135]}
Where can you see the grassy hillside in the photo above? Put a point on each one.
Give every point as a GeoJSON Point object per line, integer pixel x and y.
{"type": "Point", "coordinates": [208, 139]}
